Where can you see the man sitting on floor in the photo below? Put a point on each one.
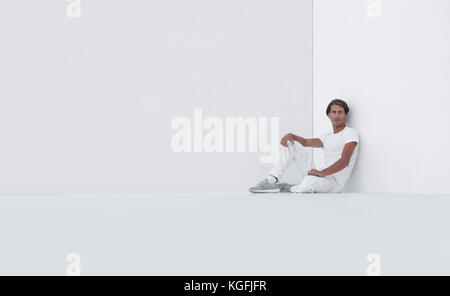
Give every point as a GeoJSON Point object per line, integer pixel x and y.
{"type": "Point", "coordinates": [341, 151]}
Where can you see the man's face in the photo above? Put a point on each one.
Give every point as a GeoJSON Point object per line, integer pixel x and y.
{"type": "Point", "coordinates": [337, 115]}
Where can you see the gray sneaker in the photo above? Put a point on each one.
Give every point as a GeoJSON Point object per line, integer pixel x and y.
{"type": "Point", "coordinates": [265, 187]}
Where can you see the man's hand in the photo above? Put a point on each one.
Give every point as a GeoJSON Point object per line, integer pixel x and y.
{"type": "Point", "coordinates": [288, 138]}
{"type": "Point", "coordinates": [316, 173]}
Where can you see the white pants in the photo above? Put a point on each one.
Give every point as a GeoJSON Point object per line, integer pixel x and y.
{"type": "Point", "coordinates": [301, 157]}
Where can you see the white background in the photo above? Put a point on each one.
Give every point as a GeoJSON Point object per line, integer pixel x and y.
{"type": "Point", "coordinates": [394, 71]}
{"type": "Point", "coordinates": [86, 104]}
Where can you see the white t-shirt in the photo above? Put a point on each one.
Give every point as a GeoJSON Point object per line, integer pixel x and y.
{"type": "Point", "coordinates": [333, 145]}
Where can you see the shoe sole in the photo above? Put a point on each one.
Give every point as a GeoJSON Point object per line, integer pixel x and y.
{"type": "Point", "coordinates": [265, 191]}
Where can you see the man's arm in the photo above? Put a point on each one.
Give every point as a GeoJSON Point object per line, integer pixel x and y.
{"type": "Point", "coordinates": [338, 165]}
{"type": "Point", "coordinates": [315, 143]}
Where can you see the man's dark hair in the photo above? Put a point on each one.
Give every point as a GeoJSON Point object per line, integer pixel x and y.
{"type": "Point", "coordinates": [339, 103]}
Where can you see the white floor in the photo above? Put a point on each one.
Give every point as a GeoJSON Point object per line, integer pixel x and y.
{"type": "Point", "coordinates": [226, 234]}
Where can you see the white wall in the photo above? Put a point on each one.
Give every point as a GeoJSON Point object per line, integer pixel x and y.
{"type": "Point", "coordinates": [86, 104]}
{"type": "Point", "coordinates": [395, 73]}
